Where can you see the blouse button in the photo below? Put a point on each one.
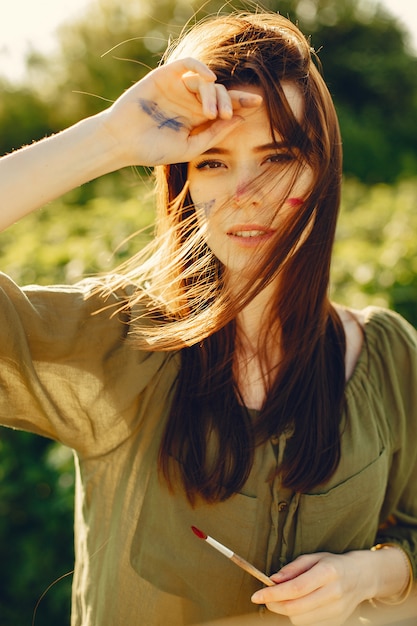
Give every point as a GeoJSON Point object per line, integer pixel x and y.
{"type": "Point", "coordinates": [282, 506]}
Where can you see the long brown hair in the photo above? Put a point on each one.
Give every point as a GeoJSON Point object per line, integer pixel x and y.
{"type": "Point", "coordinates": [210, 438]}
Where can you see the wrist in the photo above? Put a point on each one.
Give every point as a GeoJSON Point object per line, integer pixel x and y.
{"type": "Point", "coordinates": [103, 152]}
{"type": "Point", "coordinates": [395, 576]}
{"type": "Point", "coordinates": [113, 152]}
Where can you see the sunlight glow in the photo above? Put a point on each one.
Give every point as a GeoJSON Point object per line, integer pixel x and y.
{"type": "Point", "coordinates": [28, 26]}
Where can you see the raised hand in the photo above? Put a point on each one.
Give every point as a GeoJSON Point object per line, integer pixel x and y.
{"type": "Point", "coordinates": [176, 112]}
{"type": "Point", "coordinates": [173, 114]}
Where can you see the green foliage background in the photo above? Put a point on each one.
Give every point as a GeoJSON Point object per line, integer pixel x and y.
{"type": "Point", "coordinates": [373, 79]}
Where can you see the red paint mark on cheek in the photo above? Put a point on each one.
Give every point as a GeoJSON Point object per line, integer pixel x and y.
{"type": "Point", "coordinates": [294, 202]}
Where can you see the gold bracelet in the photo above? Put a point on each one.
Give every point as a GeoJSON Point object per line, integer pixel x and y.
{"type": "Point", "coordinates": [402, 596]}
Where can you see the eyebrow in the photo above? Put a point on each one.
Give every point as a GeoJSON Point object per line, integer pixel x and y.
{"type": "Point", "coordinates": [273, 145]}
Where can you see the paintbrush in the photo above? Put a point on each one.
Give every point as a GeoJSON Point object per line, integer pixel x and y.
{"type": "Point", "coordinates": [238, 560]}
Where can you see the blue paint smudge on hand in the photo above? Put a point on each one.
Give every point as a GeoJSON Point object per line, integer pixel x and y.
{"type": "Point", "coordinates": [153, 110]}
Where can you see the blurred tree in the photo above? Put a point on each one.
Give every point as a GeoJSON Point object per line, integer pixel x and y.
{"type": "Point", "coordinates": [372, 76]}
{"type": "Point", "coordinates": [24, 117]}
{"type": "Point", "coordinates": [375, 258]}
{"type": "Point", "coordinates": [36, 546]}
{"type": "Point", "coordinates": [106, 50]}
{"type": "Point", "coordinates": [367, 64]}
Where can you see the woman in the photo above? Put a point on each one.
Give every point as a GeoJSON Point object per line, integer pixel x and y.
{"type": "Point", "coordinates": [212, 382]}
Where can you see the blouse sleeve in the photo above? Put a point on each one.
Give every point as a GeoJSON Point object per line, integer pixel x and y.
{"type": "Point", "coordinates": [66, 369]}
{"type": "Point", "coordinates": [394, 344]}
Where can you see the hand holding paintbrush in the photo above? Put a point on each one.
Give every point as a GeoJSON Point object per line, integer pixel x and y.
{"type": "Point", "coordinates": [238, 560]}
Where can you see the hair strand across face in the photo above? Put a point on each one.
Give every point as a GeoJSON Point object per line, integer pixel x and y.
{"type": "Point", "coordinates": [185, 305]}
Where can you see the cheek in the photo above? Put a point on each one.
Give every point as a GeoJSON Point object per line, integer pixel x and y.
{"type": "Point", "coordinates": [298, 190]}
{"type": "Point", "coordinates": [202, 200]}
{"type": "Point", "coordinates": [205, 208]}
{"type": "Point", "coordinates": [306, 179]}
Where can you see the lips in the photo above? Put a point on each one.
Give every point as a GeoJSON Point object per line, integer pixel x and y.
{"type": "Point", "coordinates": [249, 230]}
{"type": "Point", "coordinates": [250, 234]}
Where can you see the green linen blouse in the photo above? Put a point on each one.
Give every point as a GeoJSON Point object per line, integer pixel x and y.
{"type": "Point", "coordinates": [69, 372]}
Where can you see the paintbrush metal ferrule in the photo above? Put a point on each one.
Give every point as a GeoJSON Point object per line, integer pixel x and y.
{"type": "Point", "coordinates": [235, 558]}
{"type": "Point", "coordinates": [220, 547]}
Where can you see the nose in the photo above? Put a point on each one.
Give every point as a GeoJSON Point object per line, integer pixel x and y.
{"type": "Point", "coordinates": [247, 192]}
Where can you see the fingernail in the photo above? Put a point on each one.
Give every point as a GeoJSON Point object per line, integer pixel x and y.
{"type": "Point", "coordinates": [250, 100]}
{"type": "Point", "coordinates": [213, 108]}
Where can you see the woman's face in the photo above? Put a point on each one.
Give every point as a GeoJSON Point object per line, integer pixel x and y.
{"type": "Point", "coordinates": [243, 187]}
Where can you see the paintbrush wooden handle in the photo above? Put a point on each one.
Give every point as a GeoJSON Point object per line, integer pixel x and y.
{"type": "Point", "coordinates": [251, 569]}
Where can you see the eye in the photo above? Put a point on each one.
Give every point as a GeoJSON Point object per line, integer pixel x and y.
{"type": "Point", "coordinates": [209, 164]}
{"type": "Point", "coordinates": [280, 158]}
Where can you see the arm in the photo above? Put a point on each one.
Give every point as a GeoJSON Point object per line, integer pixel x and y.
{"type": "Point", "coordinates": [174, 113]}
{"type": "Point", "coordinates": [322, 586]}
{"type": "Point", "coordinates": [36, 174]}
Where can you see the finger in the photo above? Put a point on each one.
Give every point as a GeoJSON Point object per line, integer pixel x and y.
{"type": "Point", "coordinates": [189, 64]}
{"type": "Point", "coordinates": [241, 99]}
{"type": "Point", "coordinates": [292, 589]}
{"type": "Point", "coordinates": [224, 102]}
{"type": "Point", "coordinates": [326, 598]}
{"type": "Point", "coordinates": [205, 136]}
{"type": "Point", "coordinates": [205, 93]}
{"type": "Point", "coordinates": [297, 567]}
{"type": "Point", "coordinates": [324, 615]}
{"type": "Point", "coordinates": [208, 98]}
{"type": "Point", "coordinates": [221, 102]}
